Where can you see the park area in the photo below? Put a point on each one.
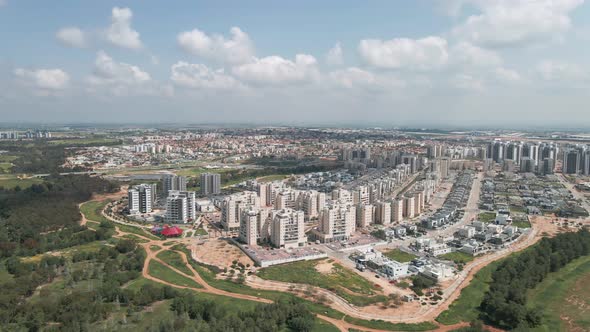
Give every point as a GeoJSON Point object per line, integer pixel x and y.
{"type": "Point", "coordinates": [327, 274]}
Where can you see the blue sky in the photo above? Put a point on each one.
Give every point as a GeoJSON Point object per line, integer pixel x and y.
{"type": "Point", "coordinates": [389, 63]}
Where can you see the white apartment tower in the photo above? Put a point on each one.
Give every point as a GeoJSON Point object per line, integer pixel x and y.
{"type": "Point", "coordinates": [173, 182]}
{"type": "Point", "coordinates": [337, 222]}
{"type": "Point", "coordinates": [397, 210]}
{"type": "Point", "coordinates": [365, 215]}
{"type": "Point", "coordinates": [140, 199]}
{"type": "Point", "coordinates": [210, 184]}
{"type": "Point", "coordinates": [180, 207]}
{"type": "Point", "coordinates": [288, 229]}
{"type": "Point", "coordinates": [383, 213]}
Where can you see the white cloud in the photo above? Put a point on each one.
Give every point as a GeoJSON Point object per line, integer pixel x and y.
{"type": "Point", "coordinates": [467, 82]}
{"type": "Point", "coordinates": [465, 53]}
{"type": "Point", "coordinates": [562, 71]}
{"type": "Point", "coordinates": [44, 79]}
{"type": "Point", "coordinates": [516, 22]}
{"type": "Point", "coordinates": [507, 75]}
{"type": "Point", "coordinates": [334, 56]}
{"type": "Point", "coordinates": [277, 70]}
{"type": "Point", "coordinates": [238, 49]}
{"type": "Point", "coordinates": [354, 77]}
{"type": "Point", "coordinates": [120, 32]}
{"type": "Point", "coordinates": [425, 53]}
{"type": "Point", "coordinates": [201, 77]}
{"type": "Point", "coordinates": [72, 37]}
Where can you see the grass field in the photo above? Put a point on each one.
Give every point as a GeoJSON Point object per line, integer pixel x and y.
{"type": "Point", "coordinates": [521, 224]}
{"type": "Point", "coordinates": [174, 259]}
{"type": "Point", "coordinates": [487, 217]}
{"type": "Point", "coordinates": [11, 182]}
{"type": "Point", "coordinates": [457, 257]}
{"type": "Point", "coordinates": [92, 210]}
{"type": "Point", "coordinates": [338, 280]}
{"type": "Point", "coordinates": [200, 231]}
{"type": "Point", "coordinates": [400, 256]}
{"type": "Point", "coordinates": [464, 308]}
{"type": "Point", "coordinates": [383, 325]}
{"type": "Point", "coordinates": [270, 178]}
{"type": "Point", "coordinates": [160, 271]}
{"type": "Point", "coordinates": [6, 158]}
{"type": "Point", "coordinates": [5, 167]}
{"type": "Point", "coordinates": [84, 141]}
{"type": "Point", "coordinates": [565, 297]}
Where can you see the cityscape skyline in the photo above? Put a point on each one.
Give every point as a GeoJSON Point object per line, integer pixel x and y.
{"type": "Point", "coordinates": [433, 63]}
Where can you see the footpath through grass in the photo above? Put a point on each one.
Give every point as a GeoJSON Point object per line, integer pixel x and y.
{"type": "Point", "coordinates": [465, 308]}
{"type": "Point", "coordinates": [160, 271]}
{"type": "Point", "coordinates": [400, 256]}
{"type": "Point", "coordinates": [174, 259]}
{"type": "Point", "coordinates": [564, 294]}
{"type": "Point", "coordinates": [347, 284]}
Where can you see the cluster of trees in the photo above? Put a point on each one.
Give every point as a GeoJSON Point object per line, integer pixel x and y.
{"type": "Point", "coordinates": [504, 305]}
{"type": "Point", "coordinates": [420, 282]}
{"type": "Point", "coordinates": [196, 314]}
{"type": "Point", "coordinates": [92, 290]}
{"type": "Point", "coordinates": [45, 216]}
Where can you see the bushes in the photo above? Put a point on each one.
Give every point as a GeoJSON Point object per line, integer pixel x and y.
{"type": "Point", "coordinates": [505, 303]}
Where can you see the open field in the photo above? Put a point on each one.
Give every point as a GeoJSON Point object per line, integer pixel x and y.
{"type": "Point", "coordinates": [464, 308]}
{"type": "Point", "coordinates": [487, 217]}
{"type": "Point", "coordinates": [5, 167]}
{"type": "Point", "coordinates": [270, 178]}
{"type": "Point", "coordinates": [11, 182]}
{"type": "Point", "coordinates": [166, 274]}
{"type": "Point", "coordinates": [84, 141]}
{"type": "Point", "coordinates": [173, 259]}
{"type": "Point", "coordinates": [325, 274]}
{"type": "Point", "coordinates": [521, 224]}
{"type": "Point", "coordinates": [398, 255]}
{"type": "Point", "coordinates": [457, 257]}
{"type": "Point", "coordinates": [565, 298]}
{"type": "Point", "coordinates": [92, 210]}
{"type": "Point", "coordinates": [6, 158]}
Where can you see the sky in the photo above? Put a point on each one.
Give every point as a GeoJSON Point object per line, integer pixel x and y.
{"type": "Point", "coordinates": [424, 63]}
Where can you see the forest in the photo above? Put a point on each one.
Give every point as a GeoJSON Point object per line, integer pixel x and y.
{"type": "Point", "coordinates": [504, 305]}
{"type": "Point", "coordinates": [45, 216]}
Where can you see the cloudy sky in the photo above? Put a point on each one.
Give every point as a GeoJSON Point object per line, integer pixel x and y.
{"type": "Point", "coordinates": [484, 63]}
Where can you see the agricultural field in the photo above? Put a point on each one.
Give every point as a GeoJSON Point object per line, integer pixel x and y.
{"type": "Point", "coordinates": [326, 274]}
{"type": "Point", "coordinates": [11, 182]}
{"type": "Point", "coordinates": [398, 255]}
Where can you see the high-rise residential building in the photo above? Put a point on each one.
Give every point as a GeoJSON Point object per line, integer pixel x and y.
{"type": "Point", "coordinates": [288, 229]}
{"type": "Point", "coordinates": [445, 166]}
{"type": "Point", "coordinates": [337, 222]}
{"type": "Point", "coordinates": [249, 227]}
{"type": "Point", "coordinates": [527, 165]}
{"type": "Point", "coordinates": [180, 207]}
{"type": "Point", "coordinates": [383, 213]}
{"type": "Point", "coordinates": [173, 182]}
{"type": "Point", "coordinates": [365, 215]}
{"type": "Point", "coordinates": [434, 151]}
{"type": "Point", "coordinates": [311, 202]}
{"type": "Point", "coordinates": [232, 207]}
{"type": "Point", "coordinates": [210, 184]}
{"type": "Point", "coordinates": [361, 195]}
{"type": "Point", "coordinates": [409, 207]}
{"type": "Point", "coordinates": [571, 161]}
{"type": "Point", "coordinates": [397, 210]}
{"type": "Point", "coordinates": [585, 163]}
{"type": "Point", "coordinates": [140, 199]}
{"type": "Point", "coordinates": [342, 196]}
{"type": "Point", "coordinates": [546, 167]}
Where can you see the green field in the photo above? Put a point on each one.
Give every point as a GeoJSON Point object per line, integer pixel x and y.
{"type": "Point", "coordinates": [174, 259]}
{"type": "Point", "coordinates": [92, 210]}
{"type": "Point", "coordinates": [400, 256]}
{"type": "Point", "coordinates": [11, 182]}
{"type": "Point", "coordinates": [383, 325]}
{"type": "Point", "coordinates": [6, 158]}
{"type": "Point", "coordinates": [84, 141]}
{"type": "Point", "coordinates": [487, 217]}
{"type": "Point", "coordinates": [464, 308]}
{"type": "Point", "coordinates": [270, 178]}
{"type": "Point", "coordinates": [521, 224]}
{"type": "Point", "coordinates": [5, 167]}
{"type": "Point", "coordinates": [338, 280]}
{"type": "Point", "coordinates": [565, 298]}
{"type": "Point", "coordinates": [457, 257]}
{"type": "Point", "coordinates": [160, 271]}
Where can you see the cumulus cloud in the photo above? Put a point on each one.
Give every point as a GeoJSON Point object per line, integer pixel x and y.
{"type": "Point", "coordinates": [516, 22]}
{"type": "Point", "coordinates": [108, 71]}
{"type": "Point", "coordinates": [334, 56]}
{"type": "Point", "coordinates": [237, 49]}
{"type": "Point", "coordinates": [200, 76]}
{"type": "Point", "coordinates": [72, 37]}
{"type": "Point", "coordinates": [562, 71]}
{"type": "Point", "coordinates": [465, 53]}
{"type": "Point", "coordinates": [277, 70]}
{"type": "Point", "coordinates": [44, 79]}
{"type": "Point", "coordinates": [425, 53]}
{"type": "Point", "coordinates": [354, 77]}
{"type": "Point", "coordinates": [120, 32]}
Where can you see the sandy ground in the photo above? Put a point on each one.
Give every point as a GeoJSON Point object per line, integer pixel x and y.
{"type": "Point", "coordinates": [218, 252]}
{"type": "Point", "coordinates": [325, 267]}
